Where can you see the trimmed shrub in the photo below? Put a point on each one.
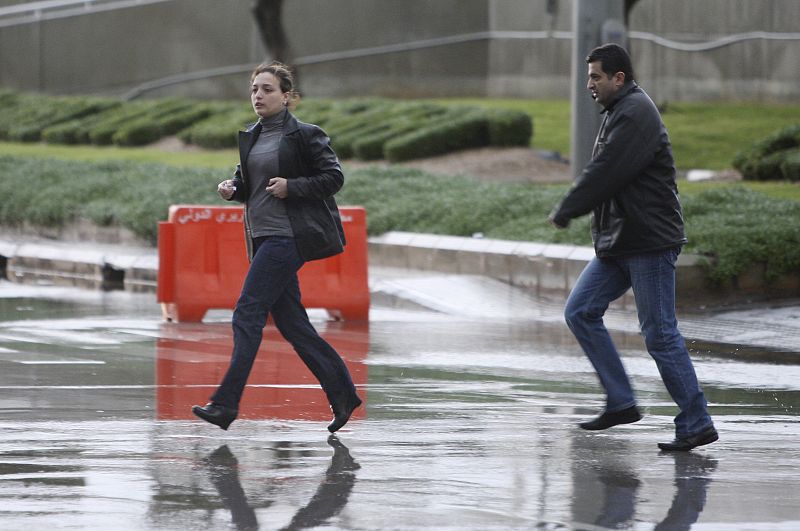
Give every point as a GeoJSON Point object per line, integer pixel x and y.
{"type": "Point", "coordinates": [738, 227]}
{"type": "Point", "coordinates": [148, 129]}
{"type": "Point", "coordinates": [509, 128]}
{"type": "Point", "coordinates": [371, 147]}
{"type": "Point", "coordinates": [763, 160]}
{"type": "Point", "coordinates": [26, 115]}
{"type": "Point", "coordinates": [220, 129]}
{"type": "Point", "coordinates": [406, 118]}
{"type": "Point", "coordinates": [75, 131]}
{"type": "Point", "coordinates": [790, 167]}
{"type": "Point", "coordinates": [466, 129]}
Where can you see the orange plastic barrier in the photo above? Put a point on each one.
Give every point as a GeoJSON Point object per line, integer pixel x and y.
{"type": "Point", "coordinates": [191, 360]}
{"type": "Point", "coordinates": [203, 262]}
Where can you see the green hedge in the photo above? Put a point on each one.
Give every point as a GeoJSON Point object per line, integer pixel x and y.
{"type": "Point", "coordinates": [737, 227]}
{"type": "Point", "coordinates": [732, 225]}
{"type": "Point", "coordinates": [790, 167]}
{"type": "Point", "coordinates": [23, 117]}
{"type": "Point", "coordinates": [764, 160]}
{"type": "Point", "coordinates": [361, 128]}
{"type": "Point", "coordinates": [458, 129]}
{"type": "Point", "coordinates": [220, 129]}
{"type": "Point", "coordinates": [461, 128]}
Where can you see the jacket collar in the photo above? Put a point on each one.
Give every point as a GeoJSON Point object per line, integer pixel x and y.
{"type": "Point", "coordinates": [626, 89]}
{"type": "Point", "coordinates": [289, 125]}
{"type": "Point", "coordinates": [248, 137]}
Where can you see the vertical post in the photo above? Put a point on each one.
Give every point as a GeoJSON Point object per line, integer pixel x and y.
{"type": "Point", "coordinates": [594, 22]}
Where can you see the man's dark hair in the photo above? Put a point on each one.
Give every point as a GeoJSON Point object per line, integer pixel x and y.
{"type": "Point", "coordinates": [613, 58]}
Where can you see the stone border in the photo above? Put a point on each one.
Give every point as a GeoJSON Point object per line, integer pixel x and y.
{"type": "Point", "coordinates": [61, 263]}
{"type": "Point", "coordinates": [551, 270]}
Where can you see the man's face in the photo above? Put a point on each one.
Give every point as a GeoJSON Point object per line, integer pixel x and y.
{"type": "Point", "coordinates": [603, 87]}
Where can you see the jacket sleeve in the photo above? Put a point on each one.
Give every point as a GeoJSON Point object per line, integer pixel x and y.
{"type": "Point", "coordinates": [627, 151]}
{"type": "Point", "coordinates": [325, 176]}
{"type": "Point", "coordinates": [238, 182]}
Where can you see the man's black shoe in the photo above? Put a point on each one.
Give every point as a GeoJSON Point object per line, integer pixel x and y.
{"type": "Point", "coordinates": [215, 414]}
{"type": "Point", "coordinates": [607, 420]}
{"type": "Point", "coordinates": [341, 414]}
{"type": "Point", "coordinates": [707, 436]}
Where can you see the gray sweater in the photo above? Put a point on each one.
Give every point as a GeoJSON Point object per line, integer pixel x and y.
{"type": "Point", "coordinates": [267, 213]}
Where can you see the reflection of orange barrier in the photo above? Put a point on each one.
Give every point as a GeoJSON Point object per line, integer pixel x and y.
{"type": "Point", "coordinates": [202, 264]}
{"type": "Point", "coordinates": [192, 359]}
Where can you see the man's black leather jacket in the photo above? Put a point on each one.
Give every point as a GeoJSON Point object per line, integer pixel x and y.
{"type": "Point", "coordinates": [313, 174]}
{"type": "Point", "coordinates": [629, 185]}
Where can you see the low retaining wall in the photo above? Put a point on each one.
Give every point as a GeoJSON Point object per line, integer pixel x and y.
{"type": "Point", "coordinates": [546, 270]}
{"type": "Point", "coordinates": [551, 270]}
{"type": "Point", "coordinates": [94, 266]}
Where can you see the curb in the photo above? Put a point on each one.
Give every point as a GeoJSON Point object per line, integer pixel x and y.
{"type": "Point", "coordinates": [545, 270]}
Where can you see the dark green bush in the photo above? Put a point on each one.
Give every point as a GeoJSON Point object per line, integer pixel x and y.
{"type": "Point", "coordinates": [739, 227]}
{"type": "Point", "coordinates": [405, 118]}
{"type": "Point", "coordinates": [102, 130]}
{"type": "Point", "coordinates": [458, 129]}
{"type": "Point", "coordinates": [357, 128]}
{"type": "Point", "coordinates": [220, 129]}
{"type": "Point", "coordinates": [149, 129]}
{"type": "Point", "coordinates": [790, 167]}
{"type": "Point", "coordinates": [25, 116]}
{"type": "Point", "coordinates": [763, 160]}
{"type": "Point", "coordinates": [135, 196]}
{"type": "Point", "coordinates": [509, 128]}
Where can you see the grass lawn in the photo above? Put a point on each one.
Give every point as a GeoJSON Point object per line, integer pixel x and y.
{"type": "Point", "coordinates": [222, 159]}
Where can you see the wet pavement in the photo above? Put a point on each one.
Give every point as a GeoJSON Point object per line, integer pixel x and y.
{"type": "Point", "coordinates": [470, 423]}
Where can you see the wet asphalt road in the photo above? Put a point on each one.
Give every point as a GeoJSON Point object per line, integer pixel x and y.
{"type": "Point", "coordinates": [470, 423]}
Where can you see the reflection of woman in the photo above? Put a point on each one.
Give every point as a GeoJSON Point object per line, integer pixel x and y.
{"type": "Point", "coordinates": [286, 179]}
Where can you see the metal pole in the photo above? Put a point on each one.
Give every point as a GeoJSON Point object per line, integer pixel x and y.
{"type": "Point", "coordinates": [594, 22]}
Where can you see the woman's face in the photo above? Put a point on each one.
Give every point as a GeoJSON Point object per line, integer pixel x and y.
{"type": "Point", "coordinates": [266, 95]}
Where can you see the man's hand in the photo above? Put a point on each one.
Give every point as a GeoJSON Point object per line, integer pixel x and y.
{"type": "Point", "coordinates": [277, 187]}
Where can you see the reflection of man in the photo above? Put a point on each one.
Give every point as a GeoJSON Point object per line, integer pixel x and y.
{"type": "Point", "coordinates": [637, 230]}
{"type": "Point", "coordinates": [692, 478]}
{"type": "Point", "coordinates": [605, 486]}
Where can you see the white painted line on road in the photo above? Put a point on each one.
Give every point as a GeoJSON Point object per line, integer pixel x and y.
{"type": "Point", "coordinates": [59, 362]}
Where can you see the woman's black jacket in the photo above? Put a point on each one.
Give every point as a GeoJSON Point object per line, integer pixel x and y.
{"type": "Point", "coordinates": [313, 174]}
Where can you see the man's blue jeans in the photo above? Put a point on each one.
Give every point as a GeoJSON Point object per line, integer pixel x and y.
{"type": "Point", "coordinates": [271, 287]}
{"type": "Point", "coordinates": [652, 277]}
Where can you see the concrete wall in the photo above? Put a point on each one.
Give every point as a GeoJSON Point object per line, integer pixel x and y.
{"type": "Point", "coordinates": [112, 52]}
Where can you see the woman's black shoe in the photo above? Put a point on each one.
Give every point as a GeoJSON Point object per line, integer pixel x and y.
{"type": "Point", "coordinates": [342, 415]}
{"type": "Point", "coordinates": [215, 414]}
{"type": "Point", "coordinates": [607, 420]}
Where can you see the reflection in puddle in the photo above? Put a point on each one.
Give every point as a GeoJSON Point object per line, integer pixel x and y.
{"type": "Point", "coordinates": [693, 473]}
{"type": "Point", "coordinates": [191, 360]}
{"type": "Point", "coordinates": [607, 486]}
{"type": "Point", "coordinates": [329, 499]}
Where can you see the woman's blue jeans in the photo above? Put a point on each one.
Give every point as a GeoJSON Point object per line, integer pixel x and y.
{"type": "Point", "coordinates": [271, 288]}
{"type": "Point", "coordinates": [652, 277]}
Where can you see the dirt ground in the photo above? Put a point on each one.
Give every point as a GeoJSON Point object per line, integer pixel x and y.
{"type": "Point", "coordinates": [490, 163]}
{"type": "Point", "coordinates": [518, 164]}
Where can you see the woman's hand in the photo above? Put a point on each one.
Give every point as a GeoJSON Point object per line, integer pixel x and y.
{"type": "Point", "coordinates": [277, 187]}
{"type": "Point", "coordinates": [225, 189]}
